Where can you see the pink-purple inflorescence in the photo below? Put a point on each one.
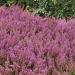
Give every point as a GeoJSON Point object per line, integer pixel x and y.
{"type": "Point", "coordinates": [32, 45]}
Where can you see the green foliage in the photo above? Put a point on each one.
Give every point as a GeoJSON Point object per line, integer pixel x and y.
{"type": "Point", "coordinates": [56, 8]}
{"type": "Point", "coordinates": [8, 2]}
{"type": "Point", "coordinates": [2, 2]}
{"type": "Point", "coordinates": [72, 72]}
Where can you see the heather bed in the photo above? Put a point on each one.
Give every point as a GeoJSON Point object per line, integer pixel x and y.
{"type": "Point", "coordinates": [32, 45]}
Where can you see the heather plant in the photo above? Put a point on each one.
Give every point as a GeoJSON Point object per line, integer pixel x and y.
{"type": "Point", "coordinates": [32, 45]}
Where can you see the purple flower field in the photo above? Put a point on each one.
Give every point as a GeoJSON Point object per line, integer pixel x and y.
{"type": "Point", "coordinates": [32, 45]}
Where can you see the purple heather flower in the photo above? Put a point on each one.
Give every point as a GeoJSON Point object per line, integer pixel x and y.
{"type": "Point", "coordinates": [32, 45]}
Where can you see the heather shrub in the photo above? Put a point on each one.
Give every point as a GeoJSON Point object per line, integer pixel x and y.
{"type": "Point", "coordinates": [32, 45]}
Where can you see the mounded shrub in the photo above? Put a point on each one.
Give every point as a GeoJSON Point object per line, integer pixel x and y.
{"type": "Point", "coordinates": [32, 45]}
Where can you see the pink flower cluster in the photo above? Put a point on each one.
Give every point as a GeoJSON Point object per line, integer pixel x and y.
{"type": "Point", "coordinates": [32, 45]}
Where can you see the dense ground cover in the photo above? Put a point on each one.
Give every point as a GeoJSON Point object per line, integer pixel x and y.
{"type": "Point", "coordinates": [32, 45]}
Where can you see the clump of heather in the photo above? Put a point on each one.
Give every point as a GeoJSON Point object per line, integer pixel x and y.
{"type": "Point", "coordinates": [31, 45]}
